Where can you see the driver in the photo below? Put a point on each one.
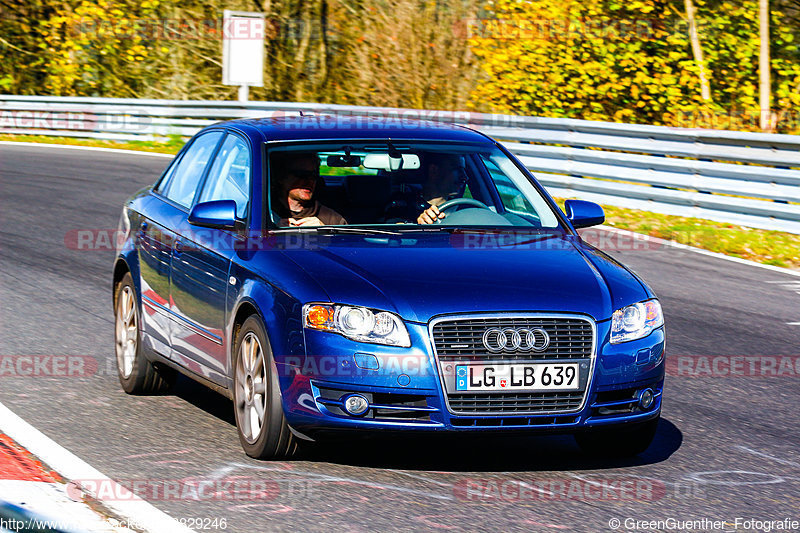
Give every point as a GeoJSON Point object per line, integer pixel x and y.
{"type": "Point", "coordinates": [295, 181]}
{"type": "Point", "coordinates": [445, 182]}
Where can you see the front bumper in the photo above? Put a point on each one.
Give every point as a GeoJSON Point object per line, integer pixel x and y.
{"type": "Point", "coordinates": [405, 391]}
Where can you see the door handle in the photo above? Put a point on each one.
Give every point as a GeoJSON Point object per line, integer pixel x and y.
{"type": "Point", "coordinates": [143, 226]}
{"type": "Point", "coordinates": [178, 249]}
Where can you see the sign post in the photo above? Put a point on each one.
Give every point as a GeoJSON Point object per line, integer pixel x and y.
{"type": "Point", "coordinates": [243, 50]}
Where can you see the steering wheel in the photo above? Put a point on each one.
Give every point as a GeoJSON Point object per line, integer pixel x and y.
{"type": "Point", "coordinates": [459, 201]}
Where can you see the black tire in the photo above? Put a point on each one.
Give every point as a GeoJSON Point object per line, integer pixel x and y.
{"type": "Point", "coordinates": [618, 442]}
{"type": "Point", "coordinates": [272, 438]}
{"type": "Point", "coordinates": [141, 377]}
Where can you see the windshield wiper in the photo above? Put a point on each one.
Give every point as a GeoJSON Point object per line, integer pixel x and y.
{"type": "Point", "coordinates": [477, 229]}
{"type": "Point", "coordinates": [419, 228]}
{"type": "Point", "coordinates": [411, 228]}
{"type": "Point", "coordinates": [361, 230]}
{"type": "Point", "coordinates": [354, 230]}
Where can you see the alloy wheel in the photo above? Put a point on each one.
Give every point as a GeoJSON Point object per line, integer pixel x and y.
{"type": "Point", "coordinates": [251, 387]}
{"type": "Point", "coordinates": [126, 331]}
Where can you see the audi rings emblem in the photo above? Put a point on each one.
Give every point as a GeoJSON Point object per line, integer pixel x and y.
{"type": "Point", "coordinates": [511, 339]}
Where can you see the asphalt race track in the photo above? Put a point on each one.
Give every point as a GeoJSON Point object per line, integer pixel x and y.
{"type": "Point", "coordinates": [727, 446]}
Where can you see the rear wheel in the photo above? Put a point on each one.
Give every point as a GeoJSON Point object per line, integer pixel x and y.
{"type": "Point", "coordinates": [618, 442]}
{"type": "Point", "coordinates": [263, 430]}
{"type": "Point", "coordinates": [136, 374]}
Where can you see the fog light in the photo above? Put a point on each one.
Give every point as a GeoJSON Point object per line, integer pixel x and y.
{"type": "Point", "coordinates": [646, 398]}
{"type": "Point", "coordinates": [355, 404]}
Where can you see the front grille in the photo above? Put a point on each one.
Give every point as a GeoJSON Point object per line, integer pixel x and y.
{"type": "Point", "coordinates": [462, 340]}
{"type": "Point", "coordinates": [515, 421]}
{"type": "Point", "coordinates": [516, 402]}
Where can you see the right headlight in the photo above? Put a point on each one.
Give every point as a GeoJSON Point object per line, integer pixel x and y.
{"type": "Point", "coordinates": [635, 321]}
{"type": "Point", "coordinates": [357, 323]}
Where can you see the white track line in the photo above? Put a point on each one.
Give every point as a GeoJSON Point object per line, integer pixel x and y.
{"type": "Point", "coordinates": [603, 227]}
{"type": "Point", "coordinates": [91, 148]}
{"type": "Point", "coordinates": [767, 456]}
{"type": "Point", "coordinates": [133, 509]}
{"type": "Point", "coordinates": [680, 246]}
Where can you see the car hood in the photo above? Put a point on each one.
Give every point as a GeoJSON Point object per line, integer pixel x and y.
{"type": "Point", "coordinates": [422, 276]}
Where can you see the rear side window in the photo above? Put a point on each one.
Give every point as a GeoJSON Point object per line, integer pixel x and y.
{"type": "Point", "coordinates": [164, 181]}
{"type": "Point", "coordinates": [187, 174]}
{"type": "Point", "coordinates": [229, 177]}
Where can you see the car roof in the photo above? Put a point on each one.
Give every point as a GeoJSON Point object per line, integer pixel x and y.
{"type": "Point", "coordinates": [322, 127]}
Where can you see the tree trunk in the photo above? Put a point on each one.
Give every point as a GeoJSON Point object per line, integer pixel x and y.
{"type": "Point", "coordinates": [763, 67]}
{"type": "Point", "coordinates": [697, 51]}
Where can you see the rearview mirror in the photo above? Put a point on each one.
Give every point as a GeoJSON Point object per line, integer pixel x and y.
{"type": "Point", "coordinates": [583, 214]}
{"type": "Point", "coordinates": [386, 162]}
{"type": "Point", "coordinates": [220, 214]}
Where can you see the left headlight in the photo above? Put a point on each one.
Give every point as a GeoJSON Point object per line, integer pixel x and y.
{"type": "Point", "coordinates": [357, 323]}
{"type": "Point", "coordinates": [636, 321]}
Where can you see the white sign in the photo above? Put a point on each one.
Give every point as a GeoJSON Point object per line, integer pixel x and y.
{"type": "Point", "coordinates": [242, 48]}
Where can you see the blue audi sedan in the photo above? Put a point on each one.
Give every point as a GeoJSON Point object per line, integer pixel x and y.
{"type": "Point", "coordinates": [347, 273]}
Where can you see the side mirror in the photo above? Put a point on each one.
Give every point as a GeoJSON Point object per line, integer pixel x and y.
{"type": "Point", "coordinates": [220, 214]}
{"type": "Point", "coordinates": [583, 214]}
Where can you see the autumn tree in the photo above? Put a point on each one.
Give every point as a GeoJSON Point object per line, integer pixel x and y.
{"type": "Point", "coordinates": [394, 52]}
{"type": "Point", "coordinates": [631, 61]}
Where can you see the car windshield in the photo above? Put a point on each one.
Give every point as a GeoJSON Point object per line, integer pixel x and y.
{"type": "Point", "coordinates": [397, 183]}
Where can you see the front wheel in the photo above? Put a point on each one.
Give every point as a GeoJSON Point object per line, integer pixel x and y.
{"type": "Point", "coordinates": [618, 442]}
{"type": "Point", "coordinates": [136, 374]}
{"type": "Point", "coordinates": [263, 430]}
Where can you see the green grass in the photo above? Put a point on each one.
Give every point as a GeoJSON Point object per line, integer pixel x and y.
{"type": "Point", "coordinates": [768, 247]}
{"type": "Point", "coordinates": [171, 146]}
{"type": "Point", "coordinates": [764, 246]}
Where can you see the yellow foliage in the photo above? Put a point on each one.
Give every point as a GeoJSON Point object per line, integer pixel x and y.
{"type": "Point", "coordinates": [608, 60]}
{"type": "Point", "coordinates": [83, 45]}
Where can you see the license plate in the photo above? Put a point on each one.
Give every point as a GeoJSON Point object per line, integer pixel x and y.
{"type": "Point", "coordinates": [518, 377]}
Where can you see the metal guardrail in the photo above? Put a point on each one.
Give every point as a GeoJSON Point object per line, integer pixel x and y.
{"type": "Point", "coordinates": [751, 179]}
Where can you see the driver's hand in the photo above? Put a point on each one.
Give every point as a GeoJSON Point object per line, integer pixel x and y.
{"type": "Point", "coordinates": [308, 221]}
{"type": "Point", "coordinates": [430, 215]}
